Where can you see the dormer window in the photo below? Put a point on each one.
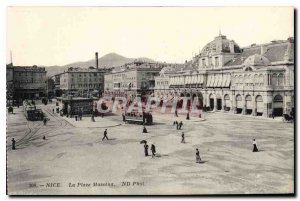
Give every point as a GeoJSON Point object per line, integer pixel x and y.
{"type": "Point", "coordinates": [216, 61]}
{"type": "Point", "coordinates": [203, 62]}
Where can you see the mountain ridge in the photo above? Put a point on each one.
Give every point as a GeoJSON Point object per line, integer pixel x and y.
{"type": "Point", "coordinates": [109, 60]}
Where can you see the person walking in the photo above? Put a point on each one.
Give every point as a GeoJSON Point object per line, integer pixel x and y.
{"type": "Point", "coordinates": [254, 146]}
{"type": "Point", "coordinates": [105, 135]}
{"type": "Point", "coordinates": [182, 138]}
{"type": "Point", "coordinates": [13, 144]}
{"type": "Point", "coordinates": [45, 120]}
{"type": "Point", "coordinates": [53, 110]}
{"type": "Point", "coordinates": [176, 113]}
{"type": "Point", "coordinates": [180, 125]}
{"type": "Point", "coordinates": [93, 117]}
{"type": "Point", "coordinates": [153, 150]}
{"type": "Point", "coordinates": [188, 116]}
{"type": "Point", "coordinates": [198, 159]}
{"type": "Point", "coordinates": [177, 126]}
{"type": "Point", "coordinates": [146, 149]}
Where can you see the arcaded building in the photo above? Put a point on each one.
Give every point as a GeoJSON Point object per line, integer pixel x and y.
{"type": "Point", "coordinates": [257, 80]}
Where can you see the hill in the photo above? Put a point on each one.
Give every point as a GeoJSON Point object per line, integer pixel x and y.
{"type": "Point", "coordinates": [108, 60]}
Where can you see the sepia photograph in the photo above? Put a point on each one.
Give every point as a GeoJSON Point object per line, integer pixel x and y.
{"type": "Point", "coordinates": [150, 100]}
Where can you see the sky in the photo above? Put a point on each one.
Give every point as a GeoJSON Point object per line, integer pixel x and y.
{"type": "Point", "coordinates": [50, 36]}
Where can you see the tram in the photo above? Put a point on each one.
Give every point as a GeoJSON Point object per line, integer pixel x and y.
{"type": "Point", "coordinates": [31, 112]}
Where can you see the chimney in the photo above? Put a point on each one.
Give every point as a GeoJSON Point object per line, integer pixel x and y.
{"type": "Point", "coordinates": [263, 49]}
{"type": "Point", "coordinates": [96, 55]}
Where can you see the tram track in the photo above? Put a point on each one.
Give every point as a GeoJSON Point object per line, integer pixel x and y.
{"type": "Point", "coordinates": [34, 128]}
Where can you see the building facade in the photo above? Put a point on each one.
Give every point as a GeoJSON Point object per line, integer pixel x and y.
{"type": "Point", "coordinates": [257, 80]}
{"type": "Point", "coordinates": [28, 81]}
{"type": "Point", "coordinates": [134, 79]}
{"type": "Point", "coordinates": [80, 81]}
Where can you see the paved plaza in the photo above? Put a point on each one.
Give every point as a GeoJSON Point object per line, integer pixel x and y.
{"type": "Point", "coordinates": [75, 156]}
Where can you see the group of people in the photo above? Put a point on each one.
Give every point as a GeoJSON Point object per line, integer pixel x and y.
{"type": "Point", "coordinates": [146, 147]}
{"type": "Point", "coordinates": [178, 125]}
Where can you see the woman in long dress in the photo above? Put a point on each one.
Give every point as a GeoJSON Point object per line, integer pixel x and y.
{"type": "Point", "coordinates": [198, 159]}
{"type": "Point", "coordinates": [254, 146]}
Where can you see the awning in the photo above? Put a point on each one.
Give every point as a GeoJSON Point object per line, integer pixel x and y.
{"type": "Point", "coordinates": [219, 80]}
{"type": "Point", "coordinates": [224, 78]}
{"type": "Point", "coordinates": [177, 80]}
{"type": "Point", "coordinates": [216, 80]}
{"type": "Point", "coordinates": [213, 81]}
{"type": "Point", "coordinates": [171, 81]}
{"type": "Point", "coordinates": [194, 79]}
{"type": "Point", "coordinates": [227, 83]}
{"type": "Point", "coordinates": [181, 81]}
{"type": "Point", "coordinates": [208, 83]}
{"type": "Point", "coordinates": [187, 80]}
{"type": "Point", "coordinates": [200, 79]}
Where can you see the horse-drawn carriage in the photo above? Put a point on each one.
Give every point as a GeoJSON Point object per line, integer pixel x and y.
{"type": "Point", "coordinates": [288, 118]}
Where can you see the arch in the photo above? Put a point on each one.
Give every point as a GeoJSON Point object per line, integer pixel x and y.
{"type": "Point", "coordinates": [227, 103]}
{"type": "Point", "coordinates": [248, 104]}
{"type": "Point", "coordinates": [238, 97]}
{"type": "Point", "coordinates": [277, 105]}
{"type": "Point", "coordinates": [219, 101]}
{"type": "Point", "coordinates": [211, 101]}
{"type": "Point", "coordinates": [248, 69]}
{"type": "Point", "coordinates": [239, 103]}
{"type": "Point", "coordinates": [259, 105]}
{"type": "Point", "coordinates": [259, 98]}
{"type": "Point", "coordinates": [248, 98]}
{"type": "Point", "coordinates": [278, 98]}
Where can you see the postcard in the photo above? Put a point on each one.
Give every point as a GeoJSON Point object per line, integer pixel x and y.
{"type": "Point", "coordinates": [150, 100]}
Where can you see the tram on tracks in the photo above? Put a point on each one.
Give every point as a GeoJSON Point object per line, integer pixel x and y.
{"type": "Point", "coordinates": [31, 112]}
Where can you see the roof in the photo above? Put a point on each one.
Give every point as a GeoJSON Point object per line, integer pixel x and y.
{"type": "Point", "coordinates": [220, 44]}
{"type": "Point", "coordinates": [274, 52]}
{"type": "Point", "coordinates": [256, 60]}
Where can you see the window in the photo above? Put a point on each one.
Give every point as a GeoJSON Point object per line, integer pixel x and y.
{"type": "Point", "coordinates": [203, 62]}
{"type": "Point", "coordinates": [216, 61]}
{"type": "Point", "coordinates": [280, 80]}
